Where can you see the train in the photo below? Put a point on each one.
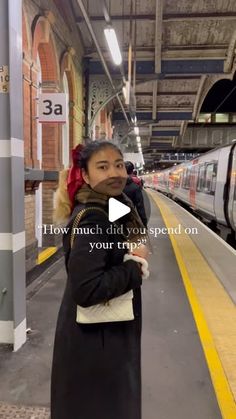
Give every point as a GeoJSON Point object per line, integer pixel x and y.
{"type": "Point", "coordinates": [206, 185]}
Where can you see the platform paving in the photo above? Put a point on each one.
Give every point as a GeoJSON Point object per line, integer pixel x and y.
{"type": "Point", "coordinates": [175, 379]}
{"type": "Point", "coordinates": [11, 411]}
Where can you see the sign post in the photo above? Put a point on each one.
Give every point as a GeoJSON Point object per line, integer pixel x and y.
{"type": "Point", "coordinates": [12, 206]}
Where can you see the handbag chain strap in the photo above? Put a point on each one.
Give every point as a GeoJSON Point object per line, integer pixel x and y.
{"type": "Point", "coordinates": [78, 218]}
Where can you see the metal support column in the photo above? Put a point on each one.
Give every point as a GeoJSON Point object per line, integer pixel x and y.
{"type": "Point", "coordinates": [12, 234]}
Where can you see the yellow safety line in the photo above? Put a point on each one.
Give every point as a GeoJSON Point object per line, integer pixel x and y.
{"type": "Point", "coordinates": [221, 385]}
{"type": "Point", "coordinates": [46, 254]}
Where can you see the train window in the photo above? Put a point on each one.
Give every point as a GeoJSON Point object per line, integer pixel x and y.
{"type": "Point", "coordinates": [210, 183]}
{"type": "Point", "coordinates": [177, 177]}
{"type": "Point", "coordinates": [183, 178]}
{"type": "Point", "coordinates": [201, 178]}
{"type": "Point", "coordinates": [176, 180]}
{"type": "Point", "coordinates": [214, 174]}
{"type": "Point", "coordinates": [207, 178]}
{"type": "Point", "coordinates": [186, 179]}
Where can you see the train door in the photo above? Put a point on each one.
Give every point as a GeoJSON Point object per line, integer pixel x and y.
{"type": "Point", "coordinates": [155, 181]}
{"type": "Point", "coordinates": [232, 192]}
{"type": "Point", "coordinates": [171, 183]}
{"type": "Point", "coordinates": [221, 180]}
{"type": "Point", "coordinates": [193, 183]}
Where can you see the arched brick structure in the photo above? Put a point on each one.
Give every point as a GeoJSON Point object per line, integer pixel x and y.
{"type": "Point", "coordinates": [48, 62]}
{"type": "Point", "coordinates": [26, 35]}
{"type": "Point", "coordinates": [207, 83]}
{"type": "Point", "coordinates": [68, 68]}
{"type": "Point", "coordinates": [40, 45]}
{"type": "Point", "coordinates": [44, 47]}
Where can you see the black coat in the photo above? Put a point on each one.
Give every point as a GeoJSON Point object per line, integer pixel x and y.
{"type": "Point", "coordinates": [134, 193]}
{"type": "Point", "coordinates": [96, 367]}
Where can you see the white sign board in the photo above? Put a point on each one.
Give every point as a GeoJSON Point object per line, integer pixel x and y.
{"type": "Point", "coordinates": [4, 79]}
{"type": "Point", "coordinates": [53, 107]}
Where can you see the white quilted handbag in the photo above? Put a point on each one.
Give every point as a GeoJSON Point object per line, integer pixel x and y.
{"type": "Point", "coordinates": [117, 309]}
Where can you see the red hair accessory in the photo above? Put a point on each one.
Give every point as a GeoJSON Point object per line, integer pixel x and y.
{"type": "Point", "coordinates": [75, 179]}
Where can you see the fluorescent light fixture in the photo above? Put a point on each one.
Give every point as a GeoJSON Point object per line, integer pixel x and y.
{"type": "Point", "coordinates": [136, 130]}
{"type": "Point", "coordinates": [138, 139]}
{"type": "Point", "coordinates": [113, 45]}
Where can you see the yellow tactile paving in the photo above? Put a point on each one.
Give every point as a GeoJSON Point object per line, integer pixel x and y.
{"type": "Point", "coordinates": [45, 254]}
{"type": "Point", "coordinates": [213, 311]}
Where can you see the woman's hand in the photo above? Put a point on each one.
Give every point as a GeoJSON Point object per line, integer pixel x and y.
{"type": "Point", "coordinates": [141, 251]}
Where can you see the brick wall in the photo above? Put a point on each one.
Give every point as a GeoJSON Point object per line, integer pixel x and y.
{"type": "Point", "coordinates": [31, 241]}
{"type": "Point", "coordinates": [30, 218]}
{"type": "Point", "coordinates": [47, 35]}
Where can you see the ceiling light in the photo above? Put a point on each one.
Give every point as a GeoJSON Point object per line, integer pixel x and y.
{"type": "Point", "coordinates": [138, 139]}
{"type": "Point", "coordinates": [113, 45]}
{"type": "Point", "coordinates": [136, 130]}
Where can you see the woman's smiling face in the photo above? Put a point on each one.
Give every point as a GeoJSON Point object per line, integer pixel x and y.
{"type": "Point", "coordinates": [106, 172]}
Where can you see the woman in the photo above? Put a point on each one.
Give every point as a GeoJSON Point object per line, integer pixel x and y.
{"type": "Point", "coordinates": [96, 367]}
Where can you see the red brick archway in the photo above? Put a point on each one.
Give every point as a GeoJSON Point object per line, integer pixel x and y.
{"type": "Point", "coordinates": [44, 48]}
{"type": "Point", "coordinates": [48, 62]}
{"type": "Point", "coordinates": [68, 68]}
{"type": "Point", "coordinates": [26, 38]}
{"type": "Point", "coordinates": [43, 45]}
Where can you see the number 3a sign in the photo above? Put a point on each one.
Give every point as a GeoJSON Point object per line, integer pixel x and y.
{"type": "Point", "coordinates": [53, 107]}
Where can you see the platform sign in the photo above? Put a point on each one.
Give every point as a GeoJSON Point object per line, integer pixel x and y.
{"type": "Point", "coordinates": [53, 107]}
{"type": "Point", "coordinates": [4, 79]}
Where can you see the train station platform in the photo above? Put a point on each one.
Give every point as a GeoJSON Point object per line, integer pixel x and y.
{"type": "Point", "coordinates": [189, 327]}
